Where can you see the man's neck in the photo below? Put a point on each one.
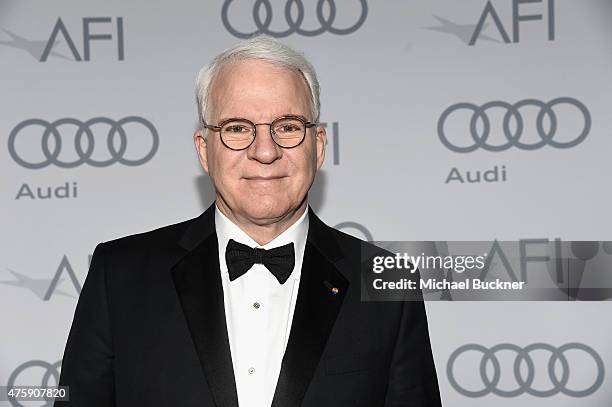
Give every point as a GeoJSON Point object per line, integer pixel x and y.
{"type": "Point", "coordinates": [263, 231]}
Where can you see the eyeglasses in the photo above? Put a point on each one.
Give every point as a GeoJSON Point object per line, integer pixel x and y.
{"type": "Point", "coordinates": [238, 134]}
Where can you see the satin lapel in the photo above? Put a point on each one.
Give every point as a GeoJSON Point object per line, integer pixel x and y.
{"type": "Point", "coordinates": [321, 291]}
{"type": "Point", "coordinates": [198, 283]}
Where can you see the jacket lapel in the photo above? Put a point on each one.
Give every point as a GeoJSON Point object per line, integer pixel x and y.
{"type": "Point", "coordinates": [321, 291]}
{"type": "Point", "coordinates": [198, 284]}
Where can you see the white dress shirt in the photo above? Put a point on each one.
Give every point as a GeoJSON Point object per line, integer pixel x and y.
{"type": "Point", "coordinates": [258, 312]}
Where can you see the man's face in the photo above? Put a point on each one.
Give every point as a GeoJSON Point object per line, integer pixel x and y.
{"type": "Point", "coordinates": [264, 183]}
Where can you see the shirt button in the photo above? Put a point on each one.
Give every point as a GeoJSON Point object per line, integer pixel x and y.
{"type": "Point", "coordinates": [256, 305]}
{"type": "Point", "coordinates": [251, 370]}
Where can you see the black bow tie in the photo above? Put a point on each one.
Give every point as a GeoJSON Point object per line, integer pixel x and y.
{"type": "Point", "coordinates": [240, 258]}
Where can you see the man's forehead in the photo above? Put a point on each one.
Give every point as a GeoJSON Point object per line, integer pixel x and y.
{"type": "Point", "coordinates": [242, 85]}
{"type": "Point", "coordinates": [251, 70]}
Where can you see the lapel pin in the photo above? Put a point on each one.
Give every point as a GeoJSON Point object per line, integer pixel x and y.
{"type": "Point", "coordinates": [334, 290]}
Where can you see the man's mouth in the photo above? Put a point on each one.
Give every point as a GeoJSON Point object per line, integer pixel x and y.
{"type": "Point", "coordinates": [265, 178]}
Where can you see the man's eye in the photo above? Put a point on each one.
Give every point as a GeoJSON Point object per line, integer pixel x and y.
{"type": "Point", "coordinates": [288, 128]}
{"type": "Point", "coordinates": [236, 129]}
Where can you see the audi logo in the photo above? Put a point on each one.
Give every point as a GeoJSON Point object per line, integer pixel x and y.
{"type": "Point", "coordinates": [294, 23]}
{"type": "Point", "coordinates": [116, 142]}
{"type": "Point", "coordinates": [50, 371]}
{"type": "Point", "coordinates": [479, 139]}
{"type": "Point", "coordinates": [362, 231]}
{"type": "Point", "coordinates": [524, 377]}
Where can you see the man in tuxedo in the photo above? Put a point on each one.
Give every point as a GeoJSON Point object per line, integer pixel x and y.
{"type": "Point", "coordinates": [256, 302]}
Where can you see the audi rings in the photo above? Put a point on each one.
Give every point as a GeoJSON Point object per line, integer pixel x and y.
{"type": "Point", "coordinates": [513, 138]}
{"type": "Point", "coordinates": [364, 233]}
{"type": "Point", "coordinates": [50, 371]}
{"type": "Point", "coordinates": [524, 377]}
{"type": "Point", "coordinates": [294, 24]}
{"type": "Point", "coordinates": [51, 151]}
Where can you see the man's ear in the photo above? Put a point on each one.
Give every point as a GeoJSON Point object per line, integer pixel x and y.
{"type": "Point", "coordinates": [320, 143]}
{"type": "Point", "coordinates": [199, 139]}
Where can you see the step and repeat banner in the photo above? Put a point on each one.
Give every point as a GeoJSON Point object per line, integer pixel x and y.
{"type": "Point", "coordinates": [447, 120]}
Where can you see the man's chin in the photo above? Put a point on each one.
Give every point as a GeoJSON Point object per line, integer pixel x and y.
{"type": "Point", "coordinates": [265, 210]}
{"type": "Point", "coordinates": [264, 216]}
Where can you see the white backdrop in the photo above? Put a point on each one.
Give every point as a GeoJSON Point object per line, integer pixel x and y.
{"type": "Point", "coordinates": [118, 77]}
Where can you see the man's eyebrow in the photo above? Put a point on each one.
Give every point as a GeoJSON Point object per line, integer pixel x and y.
{"type": "Point", "coordinates": [221, 120]}
{"type": "Point", "coordinates": [224, 118]}
{"type": "Point", "coordinates": [298, 115]}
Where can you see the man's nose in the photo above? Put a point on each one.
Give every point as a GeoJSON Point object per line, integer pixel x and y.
{"type": "Point", "coordinates": [264, 149]}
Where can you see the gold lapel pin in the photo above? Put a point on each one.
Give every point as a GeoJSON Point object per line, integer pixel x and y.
{"type": "Point", "coordinates": [334, 290]}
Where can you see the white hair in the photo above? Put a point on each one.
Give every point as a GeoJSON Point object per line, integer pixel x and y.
{"type": "Point", "coordinates": [261, 48]}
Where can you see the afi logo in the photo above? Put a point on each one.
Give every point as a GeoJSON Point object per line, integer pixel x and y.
{"type": "Point", "coordinates": [333, 132]}
{"type": "Point", "coordinates": [45, 288]}
{"type": "Point", "coordinates": [77, 41]}
{"type": "Point", "coordinates": [490, 15]}
{"type": "Point", "coordinates": [491, 27]}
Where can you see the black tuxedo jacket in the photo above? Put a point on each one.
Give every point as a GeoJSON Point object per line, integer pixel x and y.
{"type": "Point", "coordinates": [149, 329]}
